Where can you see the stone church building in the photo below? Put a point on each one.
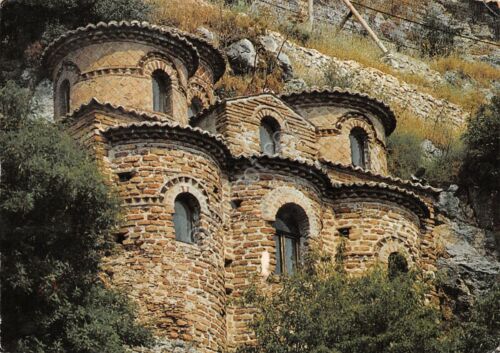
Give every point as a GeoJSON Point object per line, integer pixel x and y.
{"type": "Point", "coordinates": [219, 194]}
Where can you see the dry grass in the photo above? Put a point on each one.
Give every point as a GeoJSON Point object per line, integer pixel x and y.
{"type": "Point", "coordinates": [188, 15]}
{"type": "Point", "coordinates": [481, 72]}
{"type": "Point", "coordinates": [231, 25]}
{"type": "Point", "coordinates": [348, 47]}
{"type": "Point", "coordinates": [438, 131]}
{"type": "Point", "coordinates": [397, 7]}
{"type": "Point", "coordinates": [231, 86]}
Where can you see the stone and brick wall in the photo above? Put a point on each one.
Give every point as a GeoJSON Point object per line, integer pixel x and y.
{"type": "Point", "coordinates": [188, 292]}
{"type": "Point", "coordinates": [239, 120]}
{"type": "Point", "coordinates": [179, 286]}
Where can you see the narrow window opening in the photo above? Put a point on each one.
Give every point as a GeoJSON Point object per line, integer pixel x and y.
{"type": "Point", "coordinates": [64, 97]}
{"type": "Point", "coordinates": [344, 232]}
{"type": "Point", "coordinates": [228, 262]}
{"type": "Point", "coordinates": [186, 217]}
{"type": "Point", "coordinates": [195, 107]}
{"type": "Point", "coordinates": [396, 265]}
{"type": "Point", "coordinates": [162, 87]}
{"type": "Point", "coordinates": [359, 148]}
{"type": "Point", "coordinates": [236, 203]}
{"type": "Point", "coordinates": [120, 238]}
{"type": "Point", "coordinates": [269, 132]}
{"type": "Point", "coordinates": [125, 176]}
{"type": "Point", "coordinates": [290, 227]}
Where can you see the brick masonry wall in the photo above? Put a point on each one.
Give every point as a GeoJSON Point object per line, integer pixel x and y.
{"type": "Point", "coordinates": [240, 119]}
{"type": "Point", "coordinates": [190, 292]}
{"type": "Point", "coordinates": [251, 238]}
{"type": "Point", "coordinates": [120, 73]}
{"type": "Point", "coordinates": [334, 125]}
{"type": "Point", "coordinates": [376, 229]}
{"type": "Point", "coordinates": [179, 287]}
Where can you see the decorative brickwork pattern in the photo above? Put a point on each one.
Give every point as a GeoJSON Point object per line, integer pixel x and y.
{"type": "Point", "coordinates": [188, 291]}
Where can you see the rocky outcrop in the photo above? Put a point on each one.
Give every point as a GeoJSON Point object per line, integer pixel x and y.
{"type": "Point", "coordinates": [242, 56]}
{"type": "Point", "coordinates": [271, 45]}
{"type": "Point", "coordinates": [398, 95]}
{"type": "Point", "coordinates": [469, 262]}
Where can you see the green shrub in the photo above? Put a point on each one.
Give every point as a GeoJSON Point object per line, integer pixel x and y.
{"type": "Point", "coordinates": [14, 106]}
{"type": "Point", "coordinates": [321, 309]}
{"type": "Point", "coordinates": [405, 154]}
{"type": "Point", "coordinates": [481, 165]}
{"type": "Point", "coordinates": [481, 331]}
{"type": "Point", "coordinates": [329, 311]}
{"type": "Point", "coordinates": [56, 216]}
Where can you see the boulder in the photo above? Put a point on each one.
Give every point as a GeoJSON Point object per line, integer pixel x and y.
{"type": "Point", "coordinates": [206, 34]}
{"type": "Point", "coordinates": [269, 43]}
{"type": "Point", "coordinates": [430, 150]}
{"type": "Point", "coordinates": [286, 65]}
{"type": "Point", "coordinates": [272, 45]}
{"type": "Point", "coordinates": [242, 56]}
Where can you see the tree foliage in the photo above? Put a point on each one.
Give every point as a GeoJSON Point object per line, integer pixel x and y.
{"type": "Point", "coordinates": [327, 311]}
{"type": "Point", "coordinates": [481, 332]}
{"type": "Point", "coordinates": [332, 312]}
{"type": "Point", "coordinates": [44, 20]}
{"type": "Point", "coordinates": [56, 213]}
{"type": "Point", "coordinates": [482, 143]}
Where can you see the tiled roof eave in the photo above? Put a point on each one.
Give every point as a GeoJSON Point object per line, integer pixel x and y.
{"type": "Point", "coordinates": [381, 191]}
{"type": "Point", "coordinates": [384, 178]}
{"type": "Point", "coordinates": [316, 173]}
{"type": "Point", "coordinates": [121, 30]}
{"type": "Point", "coordinates": [337, 96]}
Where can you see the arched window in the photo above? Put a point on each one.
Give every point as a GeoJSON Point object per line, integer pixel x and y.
{"type": "Point", "coordinates": [269, 132]}
{"type": "Point", "coordinates": [195, 107]}
{"type": "Point", "coordinates": [186, 217]}
{"type": "Point", "coordinates": [396, 265]}
{"type": "Point", "coordinates": [359, 147]}
{"type": "Point", "coordinates": [64, 94]}
{"type": "Point", "coordinates": [291, 226]}
{"type": "Point", "coordinates": [162, 87]}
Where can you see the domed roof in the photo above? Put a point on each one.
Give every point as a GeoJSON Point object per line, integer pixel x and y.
{"type": "Point", "coordinates": [343, 98]}
{"type": "Point", "coordinates": [187, 47]}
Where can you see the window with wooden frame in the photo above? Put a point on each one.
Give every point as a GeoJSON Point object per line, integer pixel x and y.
{"type": "Point", "coordinates": [289, 238]}
{"type": "Point", "coordinates": [186, 217]}
{"type": "Point", "coordinates": [269, 133]}
{"type": "Point", "coordinates": [162, 92]}
{"type": "Point", "coordinates": [359, 147]}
